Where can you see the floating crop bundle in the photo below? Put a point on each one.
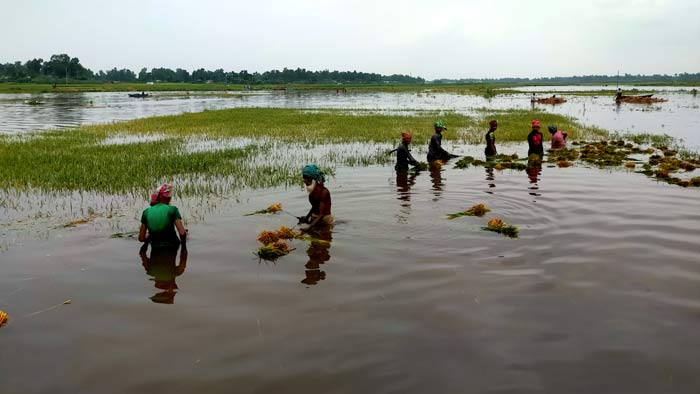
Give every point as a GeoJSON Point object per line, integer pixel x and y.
{"type": "Point", "coordinates": [497, 225]}
{"type": "Point", "coordinates": [267, 237]}
{"type": "Point", "coordinates": [274, 208]}
{"type": "Point", "coordinates": [476, 210]}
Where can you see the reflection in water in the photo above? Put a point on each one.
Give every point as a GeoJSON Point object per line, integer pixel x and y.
{"type": "Point", "coordinates": [490, 176]}
{"type": "Point", "coordinates": [163, 270]}
{"type": "Point", "coordinates": [404, 182]}
{"type": "Point", "coordinates": [534, 170]}
{"type": "Point", "coordinates": [435, 168]}
{"type": "Point", "coordinates": [318, 254]}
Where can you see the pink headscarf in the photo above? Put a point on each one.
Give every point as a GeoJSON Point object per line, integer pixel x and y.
{"type": "Point", "coordinates": [165, 191]}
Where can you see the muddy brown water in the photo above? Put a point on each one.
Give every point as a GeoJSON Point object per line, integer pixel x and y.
{"type": "Point", "coordinates": [600, 293]}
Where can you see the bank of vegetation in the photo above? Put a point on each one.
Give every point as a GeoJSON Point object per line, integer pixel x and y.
{"type": "Point", "coordinates": [236, 148]}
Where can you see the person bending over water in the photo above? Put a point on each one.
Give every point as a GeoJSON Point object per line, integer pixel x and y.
{"type": "Point", "coordinates": [491, 139]}
{"type": "Point", "coordinates": [319, 215]}
{"type": "Point", "coordinates": [558, 137]}
{"type": "Point", "coordinates": [403, 153]}
{"type": "Point", "coordinates": [435, 151]}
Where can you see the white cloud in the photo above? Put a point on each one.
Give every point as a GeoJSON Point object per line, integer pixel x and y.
{"type": "Point", "coordinates": [438, 38]}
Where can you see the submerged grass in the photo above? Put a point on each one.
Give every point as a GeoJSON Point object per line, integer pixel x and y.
{"type": "Point", "coordinates": [242, 147]}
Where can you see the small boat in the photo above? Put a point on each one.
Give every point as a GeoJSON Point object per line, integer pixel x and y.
{"type": "Point", "coordinates": [642, 99]}
{"type": "Point", "coordinates": [548, 100]}
{"type": "Point", "coordinates": [138, 95]}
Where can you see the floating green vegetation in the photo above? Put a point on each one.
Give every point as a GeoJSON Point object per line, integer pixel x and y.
{"type": "Point", "coordinates": [661, 162]}
{"type": "Point", "coordinates": [497, 225]}
{"type": "Point", "coordinates": [498, 162]}
{"type": "Point", "coordinates": [476, 210]}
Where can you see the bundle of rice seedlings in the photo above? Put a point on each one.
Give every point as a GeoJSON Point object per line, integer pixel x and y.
{"type": "Point", "coordinates": [564, 164]}
{"type": "Point", "coordinates": [274, 208]}
{"type": "Point", "coordinates": [497, 225]}
{"type": "Point", "coordinates": [464, 162]}
{"type": "Point", "coordinates": [630, 164]}
{"type": "Point", "coordinates": [268, 237]}
{"type": "Point", "coordinates": [476, 210]}
{"type": "Point", "coordinates": [422, 166]}
{"type": "Point", "coordinates": [3, 318]}
{"type": "Point", "coordinates": [274, 250]}
{"type": "Point", "coordinates": [285, 232]}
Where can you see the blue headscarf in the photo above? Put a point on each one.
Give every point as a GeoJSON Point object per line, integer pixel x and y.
{"type": "Point", "coordinates": [312, 171]}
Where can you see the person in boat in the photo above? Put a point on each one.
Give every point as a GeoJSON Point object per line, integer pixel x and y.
{"type": "Point", "coordinates": [435, 151]}
{"type": "Point", "coordinates": [404, 158]}
{"type": "Point", "coordinates": [534, 140]}
{"type": "Point", "coordinates": [558, 137]}
{"type": "Point", "coordinates": [161, 223]}
{"type": "Point", "coordinates": [319, 215]}
{"type": "Point", "coordinates": [490, 137]}
{"type": "Point", "coordinates": [618, 95]}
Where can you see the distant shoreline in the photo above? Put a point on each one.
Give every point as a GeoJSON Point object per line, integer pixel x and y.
{"type": "Point", "coordinates": [459, 88]}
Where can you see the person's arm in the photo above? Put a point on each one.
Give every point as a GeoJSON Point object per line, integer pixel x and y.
{"type": "Point", "coordinates": [564, 134]}
{"type": "Point", "coordinates": [305, 219]}
{"type": "Point", "coordinates": [143, 237]}
{"type": "Point", "coordinates": [411, 160]}
{"type": "Point", "coordinates": [182, 231]}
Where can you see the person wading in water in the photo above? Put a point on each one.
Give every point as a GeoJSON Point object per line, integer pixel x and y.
{"type": "Point", "coordinates": [403, 153]}
{"type": "Point", "coordinates": [490, 137]}
{"type": "Point", "coordinates": [435, 151]}
{"type": "Point", "coordinates": [320, 198]}
{"type": "Point", "coordinates": [534, 140]}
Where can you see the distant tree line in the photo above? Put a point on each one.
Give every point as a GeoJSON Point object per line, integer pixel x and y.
{"type": "Point", "coordinates": [576, 79]}
{"type": "Point", "coordinates": [64, 68]}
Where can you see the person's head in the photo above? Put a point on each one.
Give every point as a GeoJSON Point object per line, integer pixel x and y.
{"type": "Point", "coordinates": [536, 124]}
{"type": "Point", "coordinates": [313, 176]}
{"type": "Point", "coordinates": [406, 137]}
{"type": "Point", "coordinates": [493, 124]}
{"type": "Point", "coordinates": [552, 129]}
{"type": "Point", "coordinates": [163, 195]}
{"type": "Point", "coordinates": [440, 126]}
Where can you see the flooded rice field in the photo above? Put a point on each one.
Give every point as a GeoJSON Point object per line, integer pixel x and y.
{"type": "Point", "coordinates": [599, 293]}
{"type": "Point", "coordinates": [679, 117]}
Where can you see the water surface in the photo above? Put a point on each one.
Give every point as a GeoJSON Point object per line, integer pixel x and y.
{"type": "Point", "coordinates": [599, 293]}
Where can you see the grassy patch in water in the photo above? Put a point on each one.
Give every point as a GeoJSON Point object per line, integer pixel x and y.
{"type": "Point", "coordinates": [278, 143]}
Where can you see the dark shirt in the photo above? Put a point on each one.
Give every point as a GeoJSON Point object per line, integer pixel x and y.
{"type": "Point", "coordinates": [435, 151]}
{"type": "Point", "coordinates": [534, 142]}
{"type": "Point", "coordinates": [404, 158]}
{"type": "Point", "coordinates": [490, 143]}
{"type": "Point", "coordinates": [320, 199]}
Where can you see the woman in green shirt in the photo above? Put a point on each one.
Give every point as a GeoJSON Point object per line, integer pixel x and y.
{"type": "Point", "coordinates": [160, 222]}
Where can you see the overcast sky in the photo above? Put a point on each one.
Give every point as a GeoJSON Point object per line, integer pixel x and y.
{"type": "Point", "coordinates": [427, 38]}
